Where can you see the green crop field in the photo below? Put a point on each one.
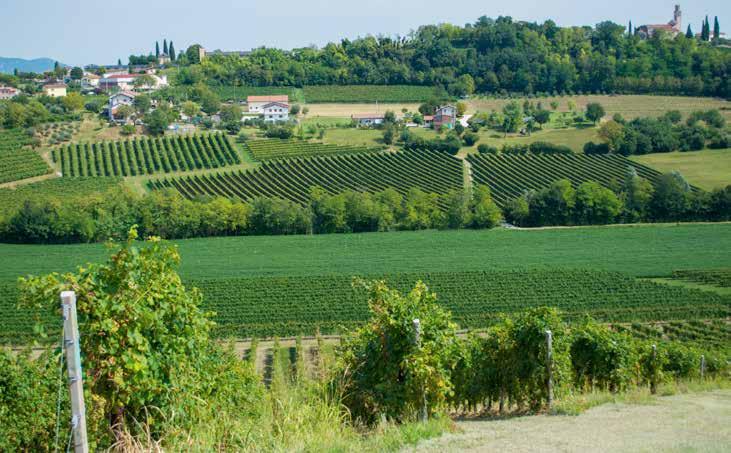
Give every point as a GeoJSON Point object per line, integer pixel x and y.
{"type": "Point", "coordinates": [371, 93]}
{"type": "Point", "coordinates": [292, 179]}
{"type": "Point", "coordinates": [708, 169]}
{"type": "Point", "coordinates": [511, 175]}
{"type": "Point", "coordinates": [16, 161]}
{"type": "Point", "coordinates": [279, 149]}
{"type": "Point", "coordinates": [713, 334]}
{"type": "Point", "coordinates": [268, 306]}
{"type": "Point", "coordinates": [640, 251]}
{"type": "Point", "coordinates": [146, 156]}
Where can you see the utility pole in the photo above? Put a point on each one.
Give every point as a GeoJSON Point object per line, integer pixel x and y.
{"type": "Point", "coordinates": [73, 360]}
{"type": "Point", "coordinates": [424, 414]}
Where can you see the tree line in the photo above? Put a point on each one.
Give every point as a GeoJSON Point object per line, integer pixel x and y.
{"type": "Point", "coordinates": [168, 214]}
{"type": "Point", "coordinates": [487, 56]}
{"type": "Point", "coordinates": [670, 199]}
{"type": "Point", "coordinates": [664, 134]}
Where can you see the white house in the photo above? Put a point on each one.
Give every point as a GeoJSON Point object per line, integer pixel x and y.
{"type": "Point", "coordinates": [55, 90]}
{"type": "Point", "coordinates": [256, 103]}
{"type": "Point", "coordinates": [275, 111]}
{"type": "Point", "coordinates": [445, 115]}
{"type": "Point", "coordinates": [368, 119]}
{"type": "Point", "coordinates": [90, 81]}
{"type": "Point", "coordinates": [8, 92]}
{"type": "Point", "coordinates": [125, 82]}
{"type": "Point", "coordinates": [119, 99]}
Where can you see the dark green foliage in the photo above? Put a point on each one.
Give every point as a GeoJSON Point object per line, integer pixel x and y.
{"type": "Point", "coordinates": [490, 56]}
{"type": "Point", "coordinates": [279, 149]}
{"type": "Point", "coordinates": [383, 371]}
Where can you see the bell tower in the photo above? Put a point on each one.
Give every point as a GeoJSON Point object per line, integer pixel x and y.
{"type": "Point", "coordinates": [678, 18]}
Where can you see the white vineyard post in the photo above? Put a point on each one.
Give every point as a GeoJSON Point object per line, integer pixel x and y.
{"type": "Point", "coordinates": [423, 413]}
{"type": "Point", "coordinates": [703, 366]}
{"type": "Point", "coordinates": [549, 367]}
{"type": "Point", "coordinates": [653, 384]}
{"type": "Point", "coordinates": [73, 360]}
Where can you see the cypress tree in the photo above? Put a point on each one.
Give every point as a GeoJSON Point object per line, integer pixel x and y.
{"type": "Point", "coordinates": [629, 30]}
{"type": "Point", "coordinates": [716, 28]}
{"type": "Point", "coordinates": [171, 48]}
{"type": "Point", "coordinates": [689, 33]}
{"type": "Point", "coordinates": [165, 46]}
{"type": "Point", "coordinates": [706, 32]}
{"type": "Point", "coordinates": [157, 49]}
{"type": "Point", "coordinates": [119, 62]}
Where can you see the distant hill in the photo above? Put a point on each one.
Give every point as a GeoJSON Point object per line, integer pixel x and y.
{"type": "Point", "coordinates": [8, 65]}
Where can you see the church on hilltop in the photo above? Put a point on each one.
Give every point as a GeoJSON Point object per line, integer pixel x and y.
{"type": "Point", "coordinates": [672, 28]}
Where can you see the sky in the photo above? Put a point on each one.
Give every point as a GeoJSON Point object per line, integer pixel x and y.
{"type": "Point", "coordinates": [80, 32]}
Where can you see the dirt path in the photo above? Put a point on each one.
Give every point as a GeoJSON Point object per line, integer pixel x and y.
{"type": "Point", "coordinates": [691, 422]}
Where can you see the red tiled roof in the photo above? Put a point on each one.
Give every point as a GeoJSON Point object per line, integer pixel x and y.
{"type": "Point", "coordinates": [276, 98]}
{"type": "Point", "coordinates": [428, 117]}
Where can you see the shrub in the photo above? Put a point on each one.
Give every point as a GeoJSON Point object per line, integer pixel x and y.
{"type": "Point", "coordinates": [470, 138]}
{"type": "Point", "coordinates": [382, 370]}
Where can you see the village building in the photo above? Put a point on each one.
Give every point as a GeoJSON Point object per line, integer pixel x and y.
{"type": "Point", "coordinates": [117, 100]}
{"type": "Point", "coordinates": [446, 116]}
{"type": "Point", "coordinates": [54, 90]}
{"type": "Point", "coordinates": [275, 112]}
{"type": "Point", "coordinates": [368, 119]}
{"type": "Point", "coordinates": [163, 59]}
{"type": "Point", "coordinates": [256, 103]}
{"type": "Point", "coordinates": [428, 120]}
{"type": "Point", "coordinates": [671, 29]}
{"type": "Point", "coordinates": [90, 81]}
{"type": "Point", "coordinates": [8, 92]}
{"type": "Point", "coordinates": [126, 82]}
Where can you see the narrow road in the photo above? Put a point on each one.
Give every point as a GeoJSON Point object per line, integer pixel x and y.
{"type": "Point", "coordinates": [691, 422]}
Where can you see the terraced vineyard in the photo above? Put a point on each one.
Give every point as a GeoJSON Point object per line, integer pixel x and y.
{"type": "Point", "coordinates": [58, 188]}
{"type": "Point", "coordinates": [17, 162]}
{"type": "Point", "coordinates": [371, 93]}
{"type": "Point", "coordinates": [715, 277]}
{"type": "Point", "coordinates": [292, 179]}
{"type": "Point", "coordinates": [145, 156]}
{"type": "Point", "coordinates": [267, 306]}
{"type": "Point", "coordinates": [511, 175]}
{"type": "Point", "coordinates": [279, 149]}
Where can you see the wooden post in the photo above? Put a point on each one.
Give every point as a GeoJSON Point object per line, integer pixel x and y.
{"type": "Point", "coordinates": [703, 366]}
{"type": "Point", "coordinates": [549, 367]}
{"type": "Point", "coordinates": [73, 360]}
{"type": "Point", "coordinates": [423, 413]}
{"type": "Point", "coordinates": [653, 384]}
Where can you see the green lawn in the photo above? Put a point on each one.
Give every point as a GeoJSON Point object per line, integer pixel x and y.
{"type": "Point", "coordinates": [648, 251]}
{"type": "Point", "coordinates": [708, 169]}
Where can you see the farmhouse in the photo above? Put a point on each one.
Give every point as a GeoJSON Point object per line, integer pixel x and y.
{"type": "Point", "coordinates": [90, 81]}
{"type": "Point", "coordinates": [276, 111]}
{"type": "Point", "coordinates": [8, 92]}
{"type": "Point", "coordinates": [256, 103]}
{"type": "Point", "coordinates": [119, 99]}
{"type": "Point", "coordinates": [368, 119]}
{"type": "Point", "coordinates": [672, 28]}
{"type": "Point", "coordinates": [55, 90]}
{"type": "Point", "coordinates": [163, 59]}
{"type": "Point", "coordinates": [446, 116]}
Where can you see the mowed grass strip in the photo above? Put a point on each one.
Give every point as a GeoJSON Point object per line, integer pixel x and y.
{"type": "Point", "coordinates": [646, 251]}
